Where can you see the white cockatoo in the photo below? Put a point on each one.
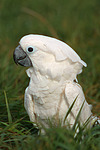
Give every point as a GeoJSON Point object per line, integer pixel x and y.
{"type": "Point", "coordinates": [53, 86]}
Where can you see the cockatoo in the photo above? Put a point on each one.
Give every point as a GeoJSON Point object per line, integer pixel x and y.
{"type": "Point", "coordinates": [53, 85]}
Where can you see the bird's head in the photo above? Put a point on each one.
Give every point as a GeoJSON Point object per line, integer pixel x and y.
{"type": "Point", "coordinates": [34, 51]}
{"type": "Point", "coordinates": [29, 48]}
{"type": "Point", "coordinates": [47, 55]}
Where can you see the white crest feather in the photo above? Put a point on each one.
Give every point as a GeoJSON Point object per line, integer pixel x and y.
{"type": "Point", "coordinates": [58, 48]}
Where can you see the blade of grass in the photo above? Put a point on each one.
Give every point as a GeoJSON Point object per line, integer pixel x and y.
{"type": "Point", "coordinates": [6, 124]}
{"type": "Point", "coordinates": [11, 125]}
{"type": "Point", "coordinates": [76, 120]}
{"type": "Point", "coordinates": [79, 129]}
{"type": "Point", "coordinates": [87, 122]}
{"type": "Point", "coordinates": [8, 110]}
{"type": "Point", "coordinates": [69, 110]}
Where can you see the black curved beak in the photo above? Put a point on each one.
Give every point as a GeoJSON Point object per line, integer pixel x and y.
{"type": "Point", "coordinates": [20, 57]}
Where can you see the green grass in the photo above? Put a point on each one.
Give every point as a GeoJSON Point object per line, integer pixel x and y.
{"type": "Point", "coordinates": [77, 23]}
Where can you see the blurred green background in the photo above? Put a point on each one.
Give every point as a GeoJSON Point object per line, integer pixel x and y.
{"type": "Point", "coordinates": [75, 22]}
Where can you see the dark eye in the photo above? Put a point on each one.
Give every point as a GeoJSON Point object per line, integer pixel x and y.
{"type": "Point", "coordinates": [30, 49]}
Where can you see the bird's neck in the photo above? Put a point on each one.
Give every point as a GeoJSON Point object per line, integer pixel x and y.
{"type": "Point", "coordinates": [43, 84]}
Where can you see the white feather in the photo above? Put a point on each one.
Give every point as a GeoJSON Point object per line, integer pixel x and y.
{"type": "Point", "coordinates": [58, 48]}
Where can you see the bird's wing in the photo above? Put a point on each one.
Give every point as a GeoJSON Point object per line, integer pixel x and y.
{"type": "Point", "coordinates": [29, 105]}
{"type": "Point", "coordinates": [73, 91]}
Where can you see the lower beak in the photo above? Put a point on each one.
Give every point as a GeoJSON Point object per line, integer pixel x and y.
{"type": "Point", "coordinates": [20, 57]}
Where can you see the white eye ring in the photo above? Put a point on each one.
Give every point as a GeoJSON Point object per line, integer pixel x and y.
{"type": "Point", "coordinates": [31, 49]}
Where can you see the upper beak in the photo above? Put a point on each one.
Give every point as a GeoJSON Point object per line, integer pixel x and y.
{"type": "Point", "coordinates": [21, 57]}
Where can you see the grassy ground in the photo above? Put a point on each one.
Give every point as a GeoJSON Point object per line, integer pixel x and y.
{"type": "Point", "coordinates": [75, 22]}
